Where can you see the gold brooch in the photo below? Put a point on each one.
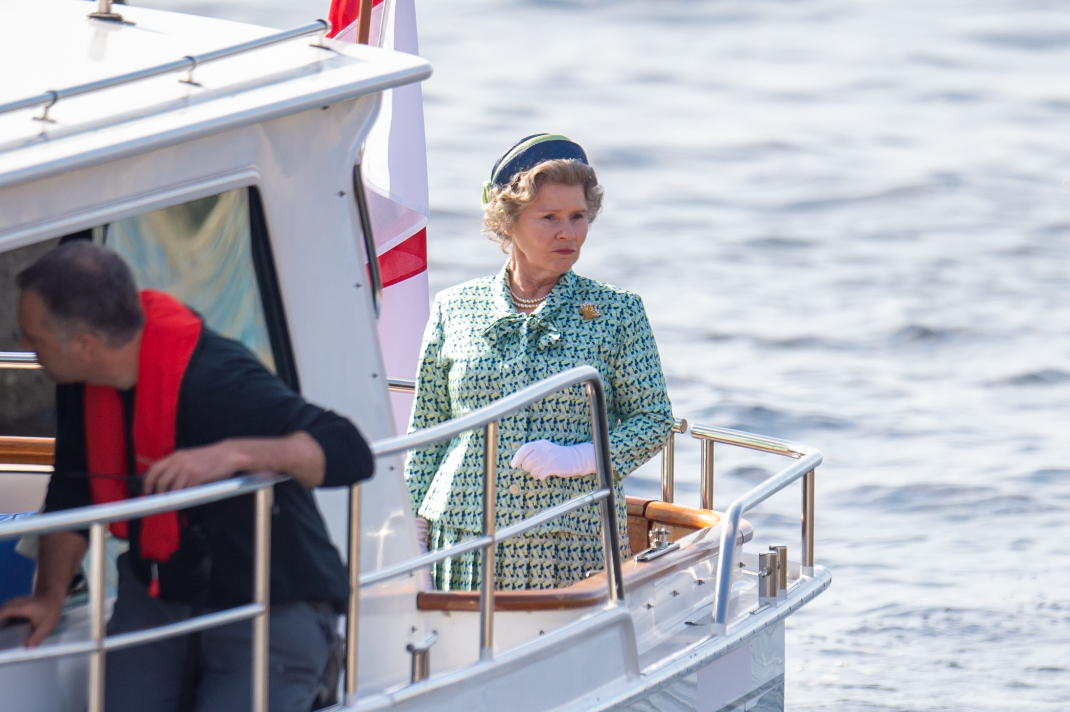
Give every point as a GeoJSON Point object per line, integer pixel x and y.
{"type": "Point", "coordinates": [589, 311]}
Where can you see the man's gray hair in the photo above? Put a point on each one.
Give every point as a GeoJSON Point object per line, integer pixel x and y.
{"type": "Point", "coordinates": [87, 287]}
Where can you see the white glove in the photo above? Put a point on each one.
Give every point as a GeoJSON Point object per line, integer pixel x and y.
{"type": "Point", "coordinates": [542, 459]}
{"type": "Point", "coordinates": [423, 531]}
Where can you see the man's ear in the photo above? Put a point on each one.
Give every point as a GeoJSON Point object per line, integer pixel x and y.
{"type": "Point", "coordinates": [85, 347]}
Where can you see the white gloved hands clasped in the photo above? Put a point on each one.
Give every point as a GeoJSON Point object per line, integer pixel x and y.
{"type": "Point", "coordinates": [543, 458]}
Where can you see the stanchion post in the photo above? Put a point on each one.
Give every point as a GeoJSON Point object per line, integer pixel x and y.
{"type": "Point", "coordinates": [706, 457]}
{"type": "Point", "coordinates": [97, 622]}
{"type": "Point", "coordinates": [807, 558]}
{"type": "Point", "coordinates": [668, 461]}
{"type": "Point", "coordinates": [353, 612]}
{"type": "Point", "coordinates": [486, 579]}
{"type": "Point", "coordinates": [607, 508]}
{"type": "Point", "coordinates": [262, 595]}
{"type": "Point", "coordinates": [668, 469]}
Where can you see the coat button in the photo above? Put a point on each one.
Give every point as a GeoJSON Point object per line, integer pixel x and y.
{"type": "Point", "coordinates": [513, 489]}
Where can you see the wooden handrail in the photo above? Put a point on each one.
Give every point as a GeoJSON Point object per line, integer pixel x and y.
{"type": "Point", "coordinates": [674, 515]}
{"type": "Point", "coordinates": [26, 451]}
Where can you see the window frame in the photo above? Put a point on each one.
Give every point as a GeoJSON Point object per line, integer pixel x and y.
{"type": "Point", "coordinates": [267, 279]}
{"type": "Point", "coordinates": [270, 293]}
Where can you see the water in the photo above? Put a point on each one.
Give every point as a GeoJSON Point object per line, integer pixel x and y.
{"type": "Point", "coordinates": [850, 223]}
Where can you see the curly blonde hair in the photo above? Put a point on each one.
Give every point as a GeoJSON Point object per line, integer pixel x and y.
{"type": "Point", "coordinates": [506, 202]}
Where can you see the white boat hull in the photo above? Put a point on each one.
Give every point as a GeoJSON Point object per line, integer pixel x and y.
{"type": "Point", "coordinates": [595, 663]}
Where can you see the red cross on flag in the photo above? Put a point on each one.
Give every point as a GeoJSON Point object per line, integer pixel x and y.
{"type": "Point", "coordinates": [395, 174]}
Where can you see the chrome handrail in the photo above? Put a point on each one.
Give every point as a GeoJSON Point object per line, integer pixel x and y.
{"type": "Point", "coordinates": [751, 441]}
{"type": "Point", "coordinates": [28, 360]}
{"type": "Point", "coordinates": [808, 459]}
{"type": "Point", "coordinates": [97, 517]}
{"type": "Point", "coordinates": [188, 63]}
{"type": "Point", "coordinates": [490, 413]}
{"type": "Point", "coordinates": [521, 527]}
{"type": "Point", "coordinates": [82, 517]}
{"type": "Point", "coordinates": [18, 360]}
{"type": "Point", "coordinates": [709, 434]}
{"type": "Point", "coordinates": [402, 385]}
{"type": "Point", "coordinates": [487, 417]}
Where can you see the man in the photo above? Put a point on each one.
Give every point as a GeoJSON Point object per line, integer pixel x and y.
{"type": "Point", "coordinates": [148, 399]}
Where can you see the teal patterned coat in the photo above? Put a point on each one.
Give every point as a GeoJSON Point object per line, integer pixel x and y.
{"type": "Point", "coordinates": [478, 348]}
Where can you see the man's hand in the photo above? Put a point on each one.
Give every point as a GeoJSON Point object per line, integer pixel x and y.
{"type": "Point", "coordinates": [58, 557]}
{"type": "Point", "coordinates": [297, 455]}
{"type": "Point", "coordinates": [191, 467]}
{"type": "Point", "coordinates": [43, 613]}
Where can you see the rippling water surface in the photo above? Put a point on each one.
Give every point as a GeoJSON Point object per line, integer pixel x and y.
{"type": "Point", "coordinates": [850, 223]}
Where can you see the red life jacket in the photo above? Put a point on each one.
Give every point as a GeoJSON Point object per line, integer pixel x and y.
{"type": "Point", "coordinates": [170, 336]}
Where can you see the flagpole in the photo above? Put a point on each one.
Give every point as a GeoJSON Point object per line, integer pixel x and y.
{"type": "Point", "coordinates": [364, 22]}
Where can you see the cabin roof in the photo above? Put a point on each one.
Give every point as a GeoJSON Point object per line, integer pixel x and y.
{"type": "Point", "coordinates": [53, 44]}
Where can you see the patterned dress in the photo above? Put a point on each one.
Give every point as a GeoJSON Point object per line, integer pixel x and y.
{"type": "Point", "coordinates": [479, 348]}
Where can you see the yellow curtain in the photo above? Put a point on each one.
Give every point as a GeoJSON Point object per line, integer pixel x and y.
{"type": "Point", "coordinates": [200, 252]}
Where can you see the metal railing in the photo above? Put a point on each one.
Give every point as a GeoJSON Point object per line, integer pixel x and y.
{"type": "Point", "coordinates": [27, 360]}
{"type": "Point", "coordinates": [807, 458]}
{"type": "Point", "coordinates": [19, 360]}
{"type": "Point", "coordinates": [188, 63]}
{"type": "Point", "coordinates": [96, 518]}
{"type": "Point", "coordinates": [402, 385]}
{"type": "Point", "coordinates": [487, 418]}
{"type": "Point", "coordinates": [668, 461]}
{"type": "Point", "coordinates": [708, 435]}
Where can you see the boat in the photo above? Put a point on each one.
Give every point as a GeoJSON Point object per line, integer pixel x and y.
{"type": "Point", "coordinates": [223, 161]}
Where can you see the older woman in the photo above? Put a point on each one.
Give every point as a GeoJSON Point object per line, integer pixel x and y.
{"type": "Point", "coordinates": [493, 336]}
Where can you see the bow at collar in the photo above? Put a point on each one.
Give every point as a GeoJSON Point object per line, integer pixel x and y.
{"type": "Point", "coordinates": [531, 330]}
{"type": "Point", "coordinates": [536, 329]}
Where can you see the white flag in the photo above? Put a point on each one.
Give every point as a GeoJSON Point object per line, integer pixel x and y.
{"type": "Point", "coordinates": [395, 174]}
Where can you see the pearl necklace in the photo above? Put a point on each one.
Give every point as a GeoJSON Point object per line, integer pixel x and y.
{"type": "Point", "coordinates": [526, 303]}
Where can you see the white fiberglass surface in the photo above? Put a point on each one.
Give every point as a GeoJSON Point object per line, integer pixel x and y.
{"type": "Point", "coordinates": [56, 46]}
{"type": "Point", "coordinates": [285, 77]}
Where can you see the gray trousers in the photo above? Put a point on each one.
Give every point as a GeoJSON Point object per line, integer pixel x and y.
{"type": "Point", "coordinates": [150, 676]}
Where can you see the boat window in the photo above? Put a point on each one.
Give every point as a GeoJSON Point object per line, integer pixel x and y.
{"type": "Point", "coordinates": [213, 253]}
{"type": "Point", "coordinates": [200, 252]}
{"type": "Point", "coordinates": [215, 256]}
{"type": "Point", "coordinates": [27, 398]}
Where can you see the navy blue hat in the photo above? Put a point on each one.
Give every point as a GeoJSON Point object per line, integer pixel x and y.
{"type": "Point", "coordinates": [529, 152]}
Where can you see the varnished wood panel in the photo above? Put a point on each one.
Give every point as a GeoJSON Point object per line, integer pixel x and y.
{"type": "Point", "coordinates": [26, 451]}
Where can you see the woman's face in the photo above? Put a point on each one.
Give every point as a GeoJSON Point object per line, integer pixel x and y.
{"type": "Point", "coordinates": [550, 231]}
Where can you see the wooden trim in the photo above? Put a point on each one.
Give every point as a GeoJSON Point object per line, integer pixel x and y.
{"type": "Point", "coordinates": [680, 516]}
{"type": "Point", "coordinates": [26, 451]}
{"type": "Point", "coordinates": [636, 506]}
{"type": "Point", "coordinates": [589, 592]}
{"type": "Point", "coordinates": [638, 525]}
{"type": "Point", "coordinates": [586, 593]}
{"type": "Point", "coordinates": [592, 591]}
{"type": "Point", "coordinates": [675, 515]}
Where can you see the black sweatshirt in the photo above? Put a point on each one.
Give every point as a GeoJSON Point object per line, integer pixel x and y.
{"type": "Point", "coordinates": [227, 393]}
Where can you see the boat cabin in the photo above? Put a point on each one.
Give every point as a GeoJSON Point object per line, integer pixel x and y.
{"type": "Point", "coordinates": [219, 159]}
